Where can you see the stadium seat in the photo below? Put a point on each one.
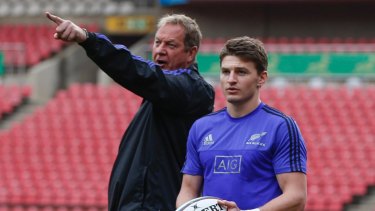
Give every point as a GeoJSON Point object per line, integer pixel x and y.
{"type": "Point", "coordinates": [11, 96]}
{"type": "Point", "coordinates": [23, 50]}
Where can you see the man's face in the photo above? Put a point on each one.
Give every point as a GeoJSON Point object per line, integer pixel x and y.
{"type": "Point", "coordinates": [168, 50]}
{"type": "Point", "coordinates": [239, 80]}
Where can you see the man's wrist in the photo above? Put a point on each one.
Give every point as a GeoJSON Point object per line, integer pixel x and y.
{"type": "Point", "coordinates": [86, 35]}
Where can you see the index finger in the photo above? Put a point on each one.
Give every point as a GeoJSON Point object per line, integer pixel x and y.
{"type": "Point", "coordinates": [54, 18]}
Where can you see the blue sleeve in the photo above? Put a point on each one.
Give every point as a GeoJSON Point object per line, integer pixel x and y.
{"type": "Point", "coordinates": [290, 150]}
{"type": "Point", "coordinates": [192, 164]}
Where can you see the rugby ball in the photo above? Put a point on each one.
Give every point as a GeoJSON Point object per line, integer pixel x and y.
{"type": "Point", "coordinates": [204, 203]}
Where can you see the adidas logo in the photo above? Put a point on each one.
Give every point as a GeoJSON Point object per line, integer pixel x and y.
{"type": "Point", "coordinates": [208, 140]}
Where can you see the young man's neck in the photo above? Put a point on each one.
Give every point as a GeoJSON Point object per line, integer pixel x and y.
{"type": "Point", "coordinates": [240, 110]}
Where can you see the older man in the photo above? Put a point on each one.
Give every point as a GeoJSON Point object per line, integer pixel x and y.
{"type": "Point", "coordinates": [146, 173]}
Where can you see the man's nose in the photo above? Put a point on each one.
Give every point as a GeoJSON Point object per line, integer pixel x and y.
{"type": "Point", "coordinates": [232, 77]}
{"type": "Point", "coordinates": [160, 49]}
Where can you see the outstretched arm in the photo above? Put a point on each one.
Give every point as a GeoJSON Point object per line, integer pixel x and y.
{"type": "Point", "coordinates": [141, 76]}
{"type": "Point", "coordinates": [66, 30]}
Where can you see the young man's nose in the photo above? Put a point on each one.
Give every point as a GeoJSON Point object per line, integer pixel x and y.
{"type": "Point", "coordinates": [232, 77]}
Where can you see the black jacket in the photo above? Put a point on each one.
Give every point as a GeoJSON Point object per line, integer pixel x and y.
{"type": "Point", "coordinates": [146, 174]}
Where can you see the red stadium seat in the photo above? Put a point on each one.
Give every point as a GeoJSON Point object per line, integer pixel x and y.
{"type": "Point", "coordinates": [36, 48]}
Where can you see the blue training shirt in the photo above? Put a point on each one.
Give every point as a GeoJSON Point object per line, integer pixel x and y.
{"type": "Point", "coordinates": [239, 158]}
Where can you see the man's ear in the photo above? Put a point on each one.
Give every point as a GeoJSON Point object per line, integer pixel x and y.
{"type": "Point", "coordinates": [262, 78]}
{"type": "Point", "coordinates": [192, 52]}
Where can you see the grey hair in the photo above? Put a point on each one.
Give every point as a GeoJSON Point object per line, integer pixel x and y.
{"type": "Point", "coordinates": [193, 34]}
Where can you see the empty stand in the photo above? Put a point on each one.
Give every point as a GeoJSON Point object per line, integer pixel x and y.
{"type": "Point", "coordinates": [26, 45]}
{"type": "Point", "coordinates": [11, 8]}
{"type": "Point", "coordinates": [11, 96]}
{"type": "Point", "coordinates": [62, 155]}
{"type": "Point", "coordinates": [36, 42]}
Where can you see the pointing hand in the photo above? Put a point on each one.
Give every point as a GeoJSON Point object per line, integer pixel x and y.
{"type": "Point", "coordinates": [66, 30]}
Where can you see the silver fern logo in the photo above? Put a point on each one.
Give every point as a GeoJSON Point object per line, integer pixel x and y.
{"type": "Point", "coordinates": [255, 139]}
{"type": "Point", "coordinates": [257, 136]}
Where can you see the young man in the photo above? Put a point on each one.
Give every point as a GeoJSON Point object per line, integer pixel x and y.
{"type": "Point", "coordinates": [146, 173]}
{"type": "Point", "coordinates": [247, 153]}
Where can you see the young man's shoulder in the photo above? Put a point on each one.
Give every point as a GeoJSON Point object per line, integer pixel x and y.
{"type": "Point", "coordinates": [275, 114]}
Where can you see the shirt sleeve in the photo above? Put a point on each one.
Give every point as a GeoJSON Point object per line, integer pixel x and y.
{"type": "Point", "coordinates": [174, 89]}
{"type": "Point", "coordinates": [192, 164]}
{"type": "Point", "coordinates": [290, 150]}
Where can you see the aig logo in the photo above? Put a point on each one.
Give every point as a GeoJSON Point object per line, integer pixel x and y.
{"type": "Point", "coordinates": [227, 164]}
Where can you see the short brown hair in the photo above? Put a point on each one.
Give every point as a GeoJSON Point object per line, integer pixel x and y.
{"type": "Point", "coordinates": [248, 49]}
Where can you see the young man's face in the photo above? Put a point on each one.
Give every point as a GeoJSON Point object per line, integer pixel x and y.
{"type": "Point", "coordinates": [239, 80]}
{"type": "Point", "coordinates": [169, 51]}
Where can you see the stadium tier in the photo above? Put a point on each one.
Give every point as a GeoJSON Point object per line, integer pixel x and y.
{"type": "Point", "coordinates": [60, 157]}
{"type": "Point", "coordinates": [11, 96]}
{"type": "Point", "coordinates": [11, 8]}
{"type": "Point", "coordinates": [25, 45]}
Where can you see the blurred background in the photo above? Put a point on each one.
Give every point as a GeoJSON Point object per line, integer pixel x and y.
{"type": "Point", "coordinates": [61, 118]}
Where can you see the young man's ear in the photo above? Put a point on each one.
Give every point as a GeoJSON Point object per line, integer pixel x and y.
{"type": "Point", "coordinates": [262, 78]}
